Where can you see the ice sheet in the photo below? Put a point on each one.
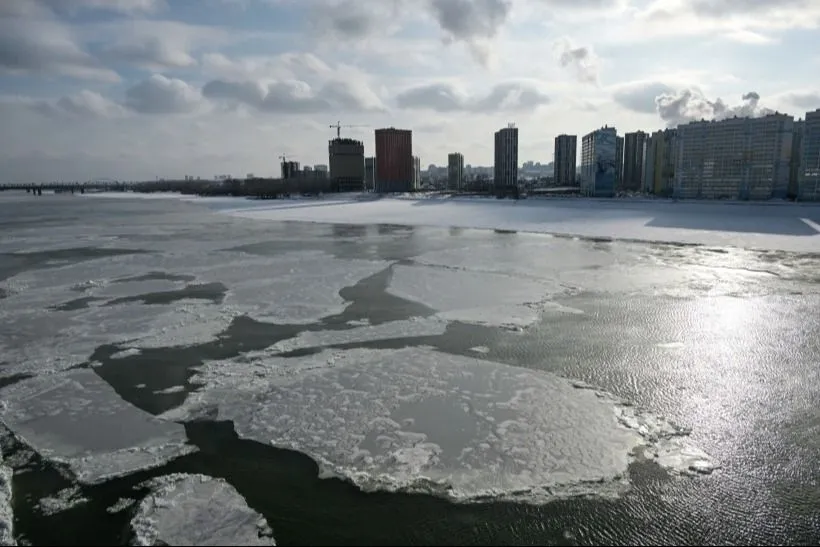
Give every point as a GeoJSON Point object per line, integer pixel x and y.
{"type": "Point", "coordinates": [422, 421]}
{"type": "Point", "coordinates": [78, 419]}
{"type": "Point", "coordinates": [6, 517]}
{"type": "Point", "coordinates": [197, 510]}
{"type": "Point", "coordinates": [474, 297]}
{"type": "Point", "coordinates": [298, 287]}
{"type": "Point", "coordinates": [725, 224]}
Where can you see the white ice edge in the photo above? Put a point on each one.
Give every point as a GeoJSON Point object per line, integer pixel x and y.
{"type": "Point", "coordinates": [6, 516]}
{"type": "Point", "coordinates": [184, 509]}
{"type": "Point", "coordinates": [417, 420]}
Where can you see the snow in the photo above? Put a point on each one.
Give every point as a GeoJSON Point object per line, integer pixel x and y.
{"type": "Point", "coordinates": [78, 419]}
{"type": "Point", "coordinates": [187, 509]}
{"type": "Point", "coordinates": [6, 517]}
{"type": "Point", "coordinates": [417, 420]}
{"type": "Point", "coordinates": [699, 223]}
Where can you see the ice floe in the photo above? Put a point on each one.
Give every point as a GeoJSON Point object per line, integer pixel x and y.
{"type": "Point", "coordinates": [296, 288]}
{"type": "Point", "coordinates": [474, 297]}
{"type": "Point", "coordinates": [6, 517]}
{"type": "Point", "coordinates": [77, 419]}
{"type": "Point", "coordinates": [419, 420]}
{"type": "Point", "coordinates": [186, 509]}
{"type": "Point", "coordinates": [394, 329]}
{"type": "Point", "coordinates": [61, 501]}
{"type": "Point", "coordinates": [128, 352]}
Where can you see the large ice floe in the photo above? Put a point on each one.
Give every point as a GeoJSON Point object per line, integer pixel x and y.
{"type": "Point", "coordinates": [464, 296]}
{"type": "Point", "coordinates": [418, 420]}
{"type": "Point", "coordinates": [6, 519]}
{"type": "Point", "coordinates": [186, 509]}
{"type": "Point", "coordinates": [77, 419]}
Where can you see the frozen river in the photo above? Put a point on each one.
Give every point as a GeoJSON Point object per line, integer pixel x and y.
{"type": "Point", "coordinates": [408, 371]}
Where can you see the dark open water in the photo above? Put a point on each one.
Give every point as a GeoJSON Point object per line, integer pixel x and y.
{"type": "Point", "coordinates": [744, 375]}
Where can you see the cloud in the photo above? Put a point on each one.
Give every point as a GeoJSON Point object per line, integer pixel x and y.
{"type": "Point", "coordinates": [474, 22]}
{"type": "Point", "coordinates": [745, 21]}
{"type": "Point", "coordinates": [32, 40]}
{"type": "Point", "coordinates": [640, 96]}
{"type": "Point", "coordinates": [723, 8]}
{"type": "Point", "coordinates": [153, 53]}
{"type": "Point", "coordinates": [285, 66]}
{"type": "Point", "coordinates": [84, 105]}
{"type": "Point", "coordinates": [446, 97]}
{"type": "Point", "coordinates": [354, 19]}
{"type": "Point", "coordinates": [750, 37]}
{"type": "Point", "coordinates": [294, 96]}
{"type": "Point", "coordinates": [581, 60]}
{"type": "Point", "coordinates": [156, 45]}
{"type": "Point", "coordinates": [161, 95]}
{"type": "Point", "coordinates": [808, 100]}
{"type": "Point", "coordinates": [128, 7]}
{"type": "Point", "coordinates": [691, 104]}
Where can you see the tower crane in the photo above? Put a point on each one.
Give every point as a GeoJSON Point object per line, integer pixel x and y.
{"type": "Point", "coordinates": [338, 126]}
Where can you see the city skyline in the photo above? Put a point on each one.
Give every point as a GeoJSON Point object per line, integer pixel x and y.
{"type": "Point", "coordinates": [135, 89]}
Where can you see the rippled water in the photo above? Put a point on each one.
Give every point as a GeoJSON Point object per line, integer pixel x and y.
{"type": "Point", "coordinates": [721, 341]}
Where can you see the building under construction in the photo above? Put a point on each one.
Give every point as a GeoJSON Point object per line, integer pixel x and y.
{"type": "Point", "coordinates": [290, 169]}
{"type": "Point", "coordinates": [346, 165]}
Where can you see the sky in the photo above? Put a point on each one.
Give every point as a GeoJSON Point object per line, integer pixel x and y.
{"type": "Point", "coordinates": [138, 89]}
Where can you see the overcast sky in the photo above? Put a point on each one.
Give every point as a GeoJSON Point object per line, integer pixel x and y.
{"type": "Point", "coordinates": [135, 89]}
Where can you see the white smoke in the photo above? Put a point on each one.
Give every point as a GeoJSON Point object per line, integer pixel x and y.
{"type": "Point", "coordinates": [691, 104]}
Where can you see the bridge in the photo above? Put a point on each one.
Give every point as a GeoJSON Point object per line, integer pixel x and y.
{"type": "Point", "coordinates": [65, 187]}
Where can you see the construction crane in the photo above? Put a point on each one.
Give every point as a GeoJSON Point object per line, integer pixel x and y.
{"type": "Point", "coordinates": [283, 158]}
{"type": "Point", "coordinates": [338, 126]}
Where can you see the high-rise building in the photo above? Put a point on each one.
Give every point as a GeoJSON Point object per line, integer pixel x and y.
{"type": "Point", "coordinates": [633, 161]}
{"type": "Point", "coordinates": [566, 147]}
{"type": "Point", "coordinates": [290, 169]}
{"type": "Point", "coordinates": [320, 171]}
{"type": "Point", "coordinates": [660, 150]}
{"type": "Point", "coordinates": [808, 180]}
{"type": "Point", "coordinates": [416, 173]}
{"type": "Point", "coordinates": [797, 155]}
{"type": "Point", "coordinates": [346, 165]}
{"type": "Point", "coordinates": [455, 172]}
{"type": "Point", "coordinates": [619, 161]}
{"type": "Point", "coordinates": [736, 158]}
{"type": "Point", "coordinates": [599, 162]}
{"type": "Point", "coordinates": [394, 160]}
{"type": "Point", "coordinates": [370, 174]}
{"type": "Point", "coordinates": [505, 169]}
